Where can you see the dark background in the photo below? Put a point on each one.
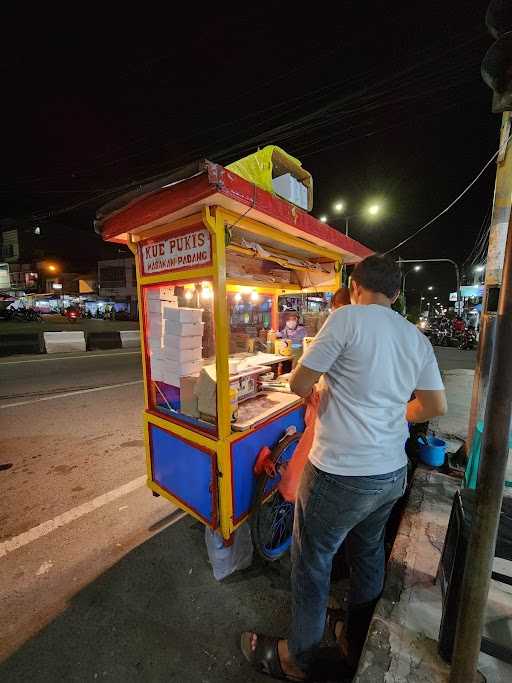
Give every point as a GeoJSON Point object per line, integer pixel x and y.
{"type": "Point", "coordinates": [379, 101]}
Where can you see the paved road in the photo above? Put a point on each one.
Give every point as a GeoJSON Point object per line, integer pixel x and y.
{"type": "Point", "coordinates": [24, 377]}
{"type": "Point", "coordinates": [100, 579]}
{"type": "Point", "coordinates": [453, 359]}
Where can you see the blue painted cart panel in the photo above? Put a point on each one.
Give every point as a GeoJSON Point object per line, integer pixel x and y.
{"type": "Point", "coordinates": [186, 471]}
{"type": "Point", "coordinates": [245, 451]}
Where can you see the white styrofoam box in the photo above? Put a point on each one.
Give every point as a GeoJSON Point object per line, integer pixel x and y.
{"type": "Point", "coordinates": [155, 332]}
{"type": "Point", "coordinates": [166, 306]}
{"type": "Point", "coordinates": [183, 315]}
{"type": "Point", "coordinates": [181, 355]}
{"type": "Point", "coordinates": [153, 293]}
{"type": "Point", "coordinates": [289, 188]}
{"type": "Point", "coordinates": [183, 368]}
{"type": "Point", "coordinates": [156, 306]}
{"type": "Point", "coordinates": [171, 341]}
{"type": "Point", "coordinates": [157, 369]}
{"type": "Point", "coordinates": [303, 194]}
{"type": "Point", "coordinates": [183, 329]}
{"type": "Point", "coordinates": [57, 342]}
{"type": "Point", "coordinates": [155, 336]}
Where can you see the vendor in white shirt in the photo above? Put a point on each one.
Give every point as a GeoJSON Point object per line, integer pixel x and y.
{"type": "Point", "coordinates": [292, 330]}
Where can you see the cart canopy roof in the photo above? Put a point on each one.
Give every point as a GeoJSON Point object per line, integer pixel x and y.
{"type": "Point", "coordinates": [204, 183]}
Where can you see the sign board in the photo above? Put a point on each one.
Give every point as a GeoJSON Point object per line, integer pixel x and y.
{"type": "Point", "coordinates": [57, 285]}
{"type": "Point", "coordinates": [179, 251]}
{"type": "Point", "coordinates": [468, 292]}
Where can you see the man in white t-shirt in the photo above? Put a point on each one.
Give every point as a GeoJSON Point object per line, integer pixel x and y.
{"type": "Point", "coordinates": [369, 361]}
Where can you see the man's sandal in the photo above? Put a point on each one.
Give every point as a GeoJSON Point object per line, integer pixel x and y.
{"type": "Point", "coordinates": [265, 658]}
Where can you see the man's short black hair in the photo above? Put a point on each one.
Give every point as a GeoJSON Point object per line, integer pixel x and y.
{"type": "Point", "coordinates": [378, 273]}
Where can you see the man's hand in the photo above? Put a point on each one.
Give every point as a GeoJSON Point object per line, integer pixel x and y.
{"type": "Point", "coordinates": [426, 405]}
{"type": "Point", "coordinates": [303, 380]}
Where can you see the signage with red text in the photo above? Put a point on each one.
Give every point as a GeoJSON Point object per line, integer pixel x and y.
{"type": "Point", "coordinates": [177, 252]}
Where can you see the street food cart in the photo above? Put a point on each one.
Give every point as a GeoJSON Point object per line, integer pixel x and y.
{"type": "Point", "coordinates": [213, 253]}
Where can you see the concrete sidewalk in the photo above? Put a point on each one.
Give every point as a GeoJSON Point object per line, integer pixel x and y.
{"type": "Point", "coordinates": [402, 641]}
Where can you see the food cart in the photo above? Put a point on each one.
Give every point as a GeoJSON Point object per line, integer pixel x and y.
{"type": "Point", "coordinates": [213, 253]}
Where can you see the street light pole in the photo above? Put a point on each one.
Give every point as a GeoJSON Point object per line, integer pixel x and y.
{"type": "Point", "coordinates": [372, 210]}
{"type": "Point", "coordinates": [346, 219]}
{"type": "Point", "coordinates": [439, 260]}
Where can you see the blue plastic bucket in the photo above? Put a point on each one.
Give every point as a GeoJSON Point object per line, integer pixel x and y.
{"type": "Point", "coordinates": [433, 451]}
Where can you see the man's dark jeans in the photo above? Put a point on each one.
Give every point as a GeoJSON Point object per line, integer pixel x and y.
{"type": "Point", "coordinates": [330, 508]}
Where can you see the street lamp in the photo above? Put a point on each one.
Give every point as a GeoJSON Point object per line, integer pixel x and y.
{"type": "Point", "coordinates": [52, 268]}
{"type": "Point", "coordinates": [478, 270]}
{"type": "Point", "coordinates": [339, 206]}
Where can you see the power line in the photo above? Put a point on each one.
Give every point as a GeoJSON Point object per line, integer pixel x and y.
{"type": "Point", "coordinates": [441, 213]}
{"type": "Point", "coordinates": [480, 234]}
{"type": "Point", "coordinates": [370, 98]}
{"type": "Point", "coordinates": [398, 80]}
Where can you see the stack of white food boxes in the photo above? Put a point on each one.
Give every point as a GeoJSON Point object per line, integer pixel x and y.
{"type": "Point", "coordinates": [175, 340]}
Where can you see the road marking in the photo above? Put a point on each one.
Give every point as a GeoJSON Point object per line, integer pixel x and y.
{"type": "Point", "coordinates": [69, 393]}
{"type": "Point", "coordinates": [86, 355]}
{"type": "Point", "coordinates": [70, 516]}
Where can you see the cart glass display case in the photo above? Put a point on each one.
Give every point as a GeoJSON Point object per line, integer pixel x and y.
{"type": "Point", "coordinates": [180, 352]}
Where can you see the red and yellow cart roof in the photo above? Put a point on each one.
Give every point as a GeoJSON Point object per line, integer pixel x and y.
{"type": "Point", "coordinates": [207, 184]}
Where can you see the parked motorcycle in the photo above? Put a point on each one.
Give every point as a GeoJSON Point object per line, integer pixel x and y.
{"type": "Point", "coordinates": [72, 314]}
{"type": "Point", "coordinates": [468, 340]}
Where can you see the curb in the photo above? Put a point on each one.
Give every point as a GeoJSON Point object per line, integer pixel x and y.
{"type": "Point", "coordinates": [58, 342]}
{"type": "Point", "coordinates": [22, 342]}
{"type": "Point", "coordinates": [103, 340]}
{"type": "Point", "coordinates": [29, 343]}
{"type": "Point", "coordinates": [130, 339]}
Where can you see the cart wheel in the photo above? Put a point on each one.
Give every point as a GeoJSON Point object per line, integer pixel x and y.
{"type": "Point", "coordinates": [272, 517]}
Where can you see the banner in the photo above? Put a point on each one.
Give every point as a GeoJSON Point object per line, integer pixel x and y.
{"type": "Point", "coordinates": [179, 251]}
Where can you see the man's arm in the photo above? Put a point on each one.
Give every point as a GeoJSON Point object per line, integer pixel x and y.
{"type": "Point", "coordinates": [426, 405]}
{"type": "Point", "coordinates": [303, 380]}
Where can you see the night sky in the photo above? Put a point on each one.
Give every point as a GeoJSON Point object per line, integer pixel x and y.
{"type": "Point", "coordinates": [379, 101]}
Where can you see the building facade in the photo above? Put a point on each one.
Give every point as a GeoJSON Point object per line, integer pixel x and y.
{"type": "Point", "coordinates": [117, 280]}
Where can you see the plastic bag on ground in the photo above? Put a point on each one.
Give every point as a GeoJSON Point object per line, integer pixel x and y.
{"type": "Point", "coordinates": [290, 476]}
{"type": "Point", "coordinates": [226, 560]}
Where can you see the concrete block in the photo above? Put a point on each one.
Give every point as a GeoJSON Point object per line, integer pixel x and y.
{"type": "Point", "coordinates": [59, 342]}
{"type": "Point", "coordinates": [130, 339]}
{"type": "Point", "coordinates": [23, 342]}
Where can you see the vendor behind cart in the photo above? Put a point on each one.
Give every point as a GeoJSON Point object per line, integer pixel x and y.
{"type": "Point", "coordinates": [292, 329]}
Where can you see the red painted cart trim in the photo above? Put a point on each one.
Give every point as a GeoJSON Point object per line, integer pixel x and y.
{"type": "Point", "coordinates": [217, 186]}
